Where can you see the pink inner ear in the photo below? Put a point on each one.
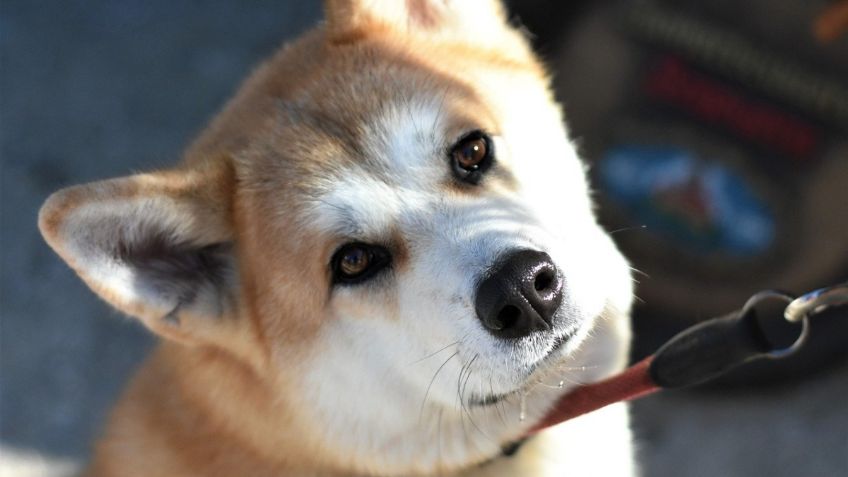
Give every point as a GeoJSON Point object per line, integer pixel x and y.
{"type": "Point", "coordinates": [422, 13]}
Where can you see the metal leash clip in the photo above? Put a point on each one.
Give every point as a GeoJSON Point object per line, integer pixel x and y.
{"type": "Point", "coordinates": [753, 307]}
{"type": "Point", "coordinates": [799, 310]}
{"type": "Point", "coordinates": [816, 302]}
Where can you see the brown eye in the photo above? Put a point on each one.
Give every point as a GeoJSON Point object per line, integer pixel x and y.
{"type": "Point", "coordinates": [471, 153]}
{"type": "Point", "coordinates": [356, 262]}
{"type": "Point", "coordinates": [471, 157]}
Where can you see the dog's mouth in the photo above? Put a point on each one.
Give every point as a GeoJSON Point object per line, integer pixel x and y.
{"type": "Point", "coordinates": [492, 399]}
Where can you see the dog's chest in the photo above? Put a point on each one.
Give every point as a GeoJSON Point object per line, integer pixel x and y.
{"type": "Point", "coordinates": [597, 444]}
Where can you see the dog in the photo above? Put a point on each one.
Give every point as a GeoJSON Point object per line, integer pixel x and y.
{"type": "Point", "coordinates": [379, 259]}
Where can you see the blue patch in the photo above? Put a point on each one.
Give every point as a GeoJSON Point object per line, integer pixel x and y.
{"type": "Point", "coordinates": [697, 203]}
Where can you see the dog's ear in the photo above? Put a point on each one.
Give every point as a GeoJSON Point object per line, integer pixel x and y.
{"type": "Point", "coordinates": [474, 19]}
{"type": "Point", "coordinates": [156, 246]}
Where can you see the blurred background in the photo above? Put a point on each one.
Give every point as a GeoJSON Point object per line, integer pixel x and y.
{"type": "Point", "coordinates": [716, 130]}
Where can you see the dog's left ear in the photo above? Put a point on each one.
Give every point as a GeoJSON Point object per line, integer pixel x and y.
{"type": "Point", "coordinates": [156, 246]}
{"type": "Point", "coordinates": [473, 19]}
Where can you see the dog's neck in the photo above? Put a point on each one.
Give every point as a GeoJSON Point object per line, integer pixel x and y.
{"type": "Point", "coordinates": [204, 409]}
{"type": "Point", "coordinates": [201, 411]}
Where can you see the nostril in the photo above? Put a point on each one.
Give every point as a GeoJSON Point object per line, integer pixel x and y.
{"type": "Point", "coordinates": [544, 280]}
{"type": "Point", "coordinates": [508, 317]}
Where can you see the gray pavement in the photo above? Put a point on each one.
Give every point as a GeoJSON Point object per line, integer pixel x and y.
{"type": "Point", "coordinates": [90, 90]}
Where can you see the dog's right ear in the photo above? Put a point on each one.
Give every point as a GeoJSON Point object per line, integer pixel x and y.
{"type": "Point", "coordinates": [156, 246]}
{"type": "Point", "coordinates": [474, 20]}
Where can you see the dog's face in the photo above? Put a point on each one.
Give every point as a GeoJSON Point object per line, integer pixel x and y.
{"type": "Point", "coordinates": [390, 224]}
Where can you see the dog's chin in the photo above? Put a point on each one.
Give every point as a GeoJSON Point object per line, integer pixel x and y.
{"type": "Point", "coordinates": [561, 347]}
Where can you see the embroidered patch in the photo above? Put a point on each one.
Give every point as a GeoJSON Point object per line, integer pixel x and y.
{"type": "Point", "coordinates": [696, 202]}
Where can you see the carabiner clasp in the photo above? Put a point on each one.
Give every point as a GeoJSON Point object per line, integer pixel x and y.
{"type": "Point", "coordinates": [772, 295]}
{"type": "Point", "coordinates": [816, 302]}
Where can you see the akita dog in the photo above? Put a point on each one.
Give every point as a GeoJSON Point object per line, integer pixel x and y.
{"type": "Point", "coordinates": [379, 259]}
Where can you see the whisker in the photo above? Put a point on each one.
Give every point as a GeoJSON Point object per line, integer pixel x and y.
{"type": "Point", "coordinates": [640, 272]}
{"type": "Point", "coordinates": [575, 382]}
{"type": "Point", "coordinates": [570, 378]}
{"type": "Point", "coordinates": [626, 229]}
{"type": "Point", "coordinates": [482, 393]}
{"type": "Point", "coordinates": [560, 385]}
{"type": "Point", "coordinates": [434, 353]}
{"type": "Point", "coordinates": [461, 405]}
{"type": "Point", "coordinates": [459, 388]}
{"type": "Point", "coordinates": [502, 407]}
{"type": "Point", "coordinates": [577, 368]}
{"type": "Point", "coordinates": [468, 376]}
{"type": "Point", "coordinates": [439, 463]}
{"type": "Point", "coordinates": [462, 397]}
{"type": "Point", "coordinates": [499, 406]}
{"type": "Point", "coordinates": [427, 393]}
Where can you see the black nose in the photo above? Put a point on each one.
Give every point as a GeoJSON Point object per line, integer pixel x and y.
{"type": "Point", "coordinates": [520, 296]}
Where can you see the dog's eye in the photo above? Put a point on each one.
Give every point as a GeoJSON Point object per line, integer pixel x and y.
{"type": "Point", "coordinates": [357, 262]}
{"type": "Point", "coordinates": [472, 156]}
{"type": "Point", "coordinates": [471, 153]}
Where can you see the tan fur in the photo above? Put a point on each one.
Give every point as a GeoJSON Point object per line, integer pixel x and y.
{"type": "Point", "coordinates": [207, 402]}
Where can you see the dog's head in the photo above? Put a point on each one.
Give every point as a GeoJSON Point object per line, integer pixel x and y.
{"type": "Point", "coordinates": [389, 224]}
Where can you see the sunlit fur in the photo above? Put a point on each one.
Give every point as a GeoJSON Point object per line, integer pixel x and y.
{"type": "Point", "coordinates": [268, 368]}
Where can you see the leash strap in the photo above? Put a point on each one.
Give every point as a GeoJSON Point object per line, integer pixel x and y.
{"type": "Point", "coordinates": [632, 383]}
{"type": "Point", "coordinates": [704, 351]}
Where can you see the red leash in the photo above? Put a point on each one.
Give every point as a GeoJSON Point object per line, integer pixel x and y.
{"type": "Point", "coordinates": [702, 352]}
{"type": "Point", "coordinates": [632, 383]}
